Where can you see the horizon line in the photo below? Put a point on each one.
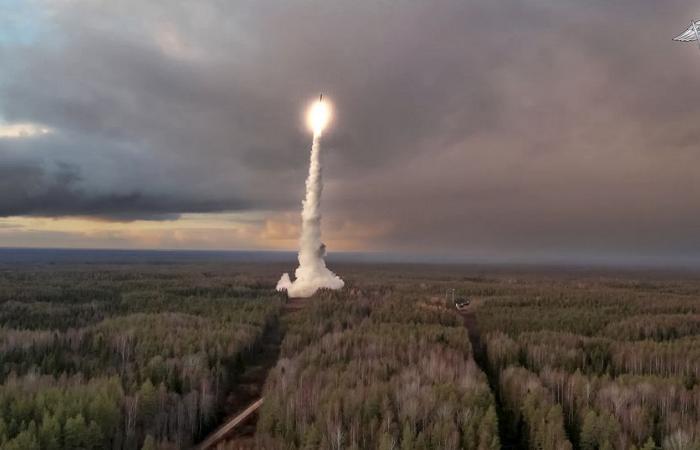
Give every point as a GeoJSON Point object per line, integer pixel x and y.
{"type": "Point", "coordinates": [393, 257]}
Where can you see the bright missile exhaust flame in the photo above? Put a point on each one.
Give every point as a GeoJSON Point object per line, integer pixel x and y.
{"type": "Point", "coordinates": [319, 116]}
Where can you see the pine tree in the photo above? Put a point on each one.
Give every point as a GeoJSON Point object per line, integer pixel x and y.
{"type": "Point", "coordinates": [589, 438]}
{"type": "Point", "coordinates": [149, 443]}
{"type": "Point", "coordinates": [488, 431]}
{"type": "Point", "coordinates": [649, 444]}
{"type": "Point", "coordinates": [94, 437]}
{"type": "Point", "coordinates": [407, 437]}
{"type": "Point", "coordinates": [421, 442]}
{"type": "Point", "coordinates": [555, 434]}
{"type": "Point", "coordinates": [106, 413]}
{"type": "Point", "coordinates": [386, 441]}
{"type": "Point", "coordinates": [312, 438]}
{"type": "Point", "coordinates": [148, 402]}
{"type": "Point", "coordinates": [50, 433]}
{"type": "Point", "coordinates": [3, 431]}
{"type": "Point", "coordinates": [76, 433]}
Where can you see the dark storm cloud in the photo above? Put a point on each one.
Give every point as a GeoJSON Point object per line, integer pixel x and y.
{"type": "Point", "coordinates": [33, 190]}
{"type": "Point", "coordinates": [534, 127]}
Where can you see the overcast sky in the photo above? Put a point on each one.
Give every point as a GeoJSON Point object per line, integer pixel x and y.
{"type": "Point", "coordinates": [510, 129]}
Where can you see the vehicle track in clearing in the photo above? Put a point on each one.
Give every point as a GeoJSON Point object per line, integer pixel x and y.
{"type": "Point", "coordinates": [508, 441]}
{"type": "Point", "coordinates": [240, 425]}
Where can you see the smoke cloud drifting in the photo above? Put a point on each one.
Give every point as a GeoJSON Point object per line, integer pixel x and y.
{"type": "Point", "coordinates": [312, 273]}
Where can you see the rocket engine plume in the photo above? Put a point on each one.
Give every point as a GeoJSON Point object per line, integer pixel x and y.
{"type": "Point", "coordinates": [312, 273]}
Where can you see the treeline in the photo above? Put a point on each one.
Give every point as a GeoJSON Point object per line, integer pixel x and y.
{"type": "Point", "coordinates": [148, 363]}
{"type": "Point", "coordinates": [597, 355]}
{"type": "Point", "coordinates": [598, 365]}
{"type": "Point", "coordinates": [377, 370]}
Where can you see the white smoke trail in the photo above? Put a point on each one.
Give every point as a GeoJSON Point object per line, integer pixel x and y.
{"type": "Point", "coordinates": [312, 273]}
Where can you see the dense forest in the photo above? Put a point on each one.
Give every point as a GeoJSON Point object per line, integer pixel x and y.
{"type": "Point", "coordinates": [123, 357]}
{"type": "Point", "coordinates": [138, 356]}
{"type": "Point", "coordinates": [377, 368]}
{"type": "Point", "coordinates": [596, 364]}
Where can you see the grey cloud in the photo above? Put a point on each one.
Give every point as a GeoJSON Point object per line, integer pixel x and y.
{"type": "Point", "coordinates": [33, 190]}
{"type": "Point", "coordinates": [535, 126]}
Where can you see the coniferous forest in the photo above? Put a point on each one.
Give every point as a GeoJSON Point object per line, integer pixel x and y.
{"type": "Point", "coordinates": [150, 356]}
